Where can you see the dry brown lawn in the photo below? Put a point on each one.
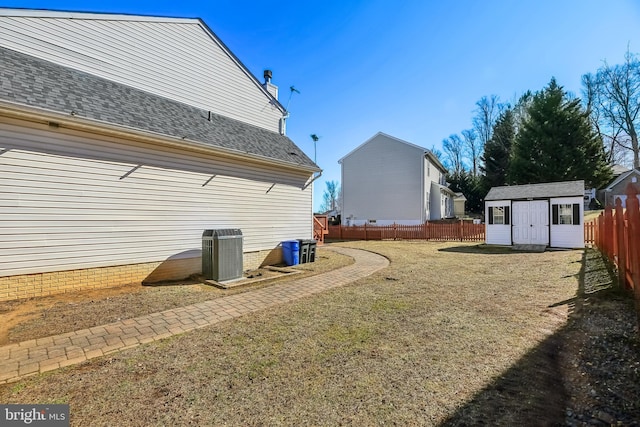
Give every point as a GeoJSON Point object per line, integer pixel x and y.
{"type": "Point", "coordinates": [591, 215]}
{"type": "Point", "coordinates": [449, 333]}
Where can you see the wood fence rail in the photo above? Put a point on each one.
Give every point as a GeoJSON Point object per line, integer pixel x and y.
{"type": "Point", "coordinates": [456, 231]}
{"type": "Point", "coordinates": [616, 233]}
{"type": "Point", "coordinates": [320, 224]}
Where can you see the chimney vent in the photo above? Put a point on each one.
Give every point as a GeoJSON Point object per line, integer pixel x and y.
{"type": "Point", "coordinates": [271, 88]}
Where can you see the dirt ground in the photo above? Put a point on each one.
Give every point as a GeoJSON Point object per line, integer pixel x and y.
{"type": "Point", "coordinates": [450, 334]}
{"type": "Point", "coordinates": [31, 318]}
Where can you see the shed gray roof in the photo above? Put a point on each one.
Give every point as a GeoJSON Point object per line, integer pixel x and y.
{"type": "Point", "coordinates": [33, 82]}
{"type": "Point", "coordinates": [537, 191]}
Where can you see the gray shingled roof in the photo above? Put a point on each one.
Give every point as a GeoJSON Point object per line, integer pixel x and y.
{"type": "Point", "coordinates": [537, 191]}
{"type": "Point", "coordinates": [34, 82]}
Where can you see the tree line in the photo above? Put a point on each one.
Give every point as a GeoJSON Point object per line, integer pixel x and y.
{"type": "Point", "coordinates": [550, 135]}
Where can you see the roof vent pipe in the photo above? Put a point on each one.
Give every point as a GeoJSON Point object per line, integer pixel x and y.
{"type": "Point", "coordinates": [271, 88]}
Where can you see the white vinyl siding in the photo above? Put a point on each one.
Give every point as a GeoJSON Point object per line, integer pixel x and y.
{"type": "Point", "coordinates": [383, 180]}
{"type": "Point", "coordinates": [176, 59]}
{"type": "Point", "coordinates": [497, 234]}
{"type": "Point", "coordinates": [427, 188]}
{"type": "Point", "coordinates": [71, 200]}
{"type": "Point", "coordinates": [568, 235]}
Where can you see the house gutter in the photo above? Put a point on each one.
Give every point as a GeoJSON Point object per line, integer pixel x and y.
{"type": "Point", "coordinates": [46, 116]}
{"type": "Point", "coordinates": [313, 179]}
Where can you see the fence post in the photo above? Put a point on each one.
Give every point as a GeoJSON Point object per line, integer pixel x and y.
{"type": "Point", "coordinates": [365, 231]}
{"type": "Point", "coordinates": [607, 240]}
{"type": "Point", "coordinates": [395, 231]}
{"type": "Point", "coordinates": [619, 231]}
{"type": "Point", "coordinates": [461, 230]}
{"type": "Point", "coordinates": [599, 242]}
{"type": "Point", "coordinates": [633, 215]}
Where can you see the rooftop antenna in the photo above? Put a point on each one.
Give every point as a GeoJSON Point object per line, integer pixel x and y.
{"type": "Point", "coordinates": [315, 139]}
{"type": "Point", "coordinates": [291, 91]}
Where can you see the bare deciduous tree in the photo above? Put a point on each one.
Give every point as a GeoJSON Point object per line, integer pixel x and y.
{"type": "Point", "coordinates": [453, 153]}
{"type": "Point", "coordinates": [487, 110]}
{"type": "Point", "coordinates": [610, 133]}
{"type": "Point", "coordinates": [331, 196]}
{"type": "Point", "coordinates": [474, 148]}
{"type": "Point", "coordinates": [612, 96]}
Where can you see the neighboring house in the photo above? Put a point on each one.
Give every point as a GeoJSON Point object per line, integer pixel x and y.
{"type": "Point", "coordinates": [598, 194]}
{"type": "Point", "coordinates": [617, 188]}
{"type": "Point", "coordinates": [387, 180]}
{"type": "Point", "coordinates": [459, 202]}
{"type": "Point", "coordinates": [122, 138]}
{"type": "Point", "coordinates": [543, 214]}
{"type": "Point", "coordinates": [333, 216]}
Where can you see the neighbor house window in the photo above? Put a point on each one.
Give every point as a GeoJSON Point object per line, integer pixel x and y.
{"type": "Point", "coordinates": [565, 213]}
{"type": "Point", "coordinates": [499, 215]}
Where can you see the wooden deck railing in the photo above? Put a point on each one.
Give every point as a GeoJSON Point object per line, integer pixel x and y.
{"type": "Point", "coordinates": [456, 231]}
{"type": "Point", "coordinates": [320, 224]}
{"type": "Point", "coordinates": [616, 233]}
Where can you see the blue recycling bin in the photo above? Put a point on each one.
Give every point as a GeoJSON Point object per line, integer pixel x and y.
{"type": "Point", "coordinates": [291, 252]}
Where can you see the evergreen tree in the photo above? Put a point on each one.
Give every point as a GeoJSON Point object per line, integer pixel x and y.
{"type": "Point", "coordinates": [557, 143]}
{"type": "Point", "coordinates": [497, 151]}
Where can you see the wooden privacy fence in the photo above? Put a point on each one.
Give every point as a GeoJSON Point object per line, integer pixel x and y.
{"type": "Point", "coordinates": [459, 230]}
{"type": "Point", "coordinates": [616, 233]}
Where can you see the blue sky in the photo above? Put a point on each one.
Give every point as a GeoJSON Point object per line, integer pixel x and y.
{"type": "Point", "coordinates": [412, 69]}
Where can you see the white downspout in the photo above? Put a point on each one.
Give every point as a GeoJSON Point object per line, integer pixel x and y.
{"type": "Point", "coordinates": [283, 123]}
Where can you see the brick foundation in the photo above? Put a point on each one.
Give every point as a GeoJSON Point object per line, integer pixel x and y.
{"type": "Point", "coordinates": [59, 282]}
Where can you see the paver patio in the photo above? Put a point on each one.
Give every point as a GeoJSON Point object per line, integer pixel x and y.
{"type": "Point", "coordinates": [45, 354]}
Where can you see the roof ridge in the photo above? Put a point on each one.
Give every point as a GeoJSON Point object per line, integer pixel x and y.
{"type": "Point", "coordinates": [91, 15]}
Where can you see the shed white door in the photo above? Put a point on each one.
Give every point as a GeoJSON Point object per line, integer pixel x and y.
{"type": "Point", "coordinates": [531, 222]}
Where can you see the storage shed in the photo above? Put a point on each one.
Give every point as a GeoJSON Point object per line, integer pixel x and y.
{"type": "Point", "coordinates": [549, 214]}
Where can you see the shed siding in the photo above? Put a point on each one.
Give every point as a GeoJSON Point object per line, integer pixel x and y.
{"type": "Point", "coordinates": [69, 200]}
{"type": "Point", "coordinates": [382, 180]}
{"type": "Point", "coordinates": [497, 234]}
{"type": "Point", "coordinates": [176, 60]}
{"type": "Point", "coordinates": [564, 235]}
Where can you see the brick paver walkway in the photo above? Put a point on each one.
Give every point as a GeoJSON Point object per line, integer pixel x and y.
{"type": "Point", "coordinates": [46, 354]}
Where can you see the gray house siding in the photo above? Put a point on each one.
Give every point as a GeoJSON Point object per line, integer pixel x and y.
{"type": "Point", "coordinates": [381, 181]}
{"type": "Point", "coordinates": [386, 180]}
